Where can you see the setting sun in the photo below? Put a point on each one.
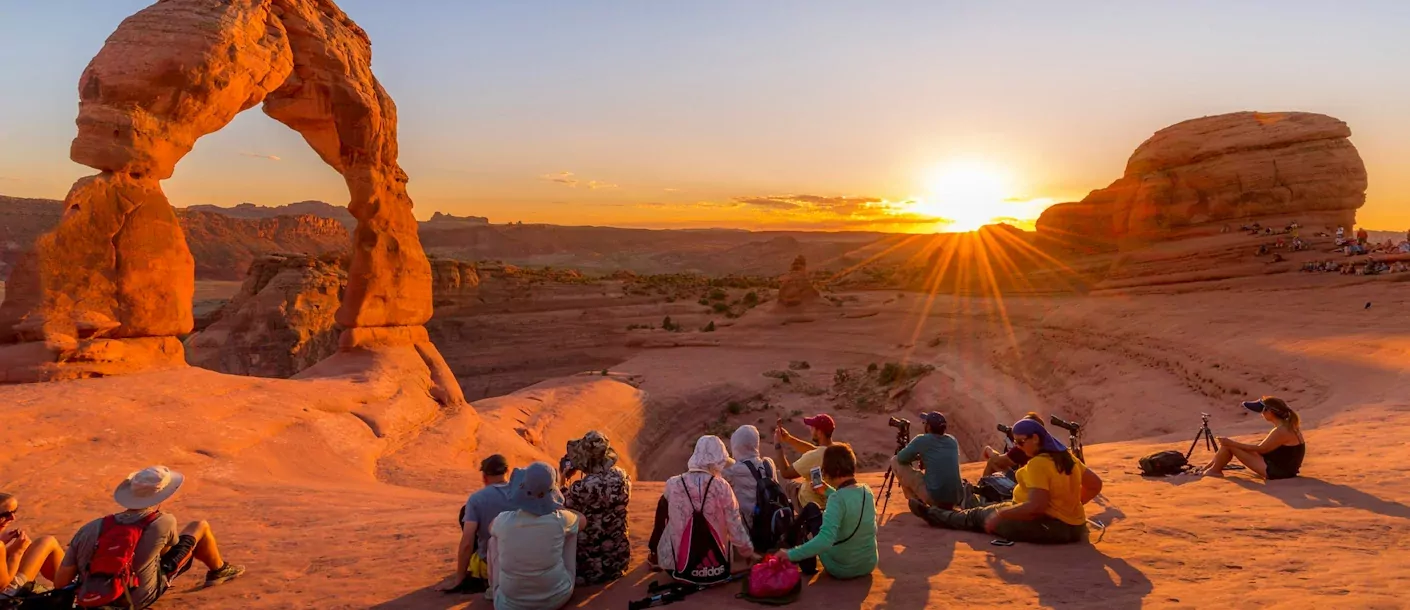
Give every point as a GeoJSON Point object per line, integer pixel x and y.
{"type": "Point", "coordinates": [965, 196]}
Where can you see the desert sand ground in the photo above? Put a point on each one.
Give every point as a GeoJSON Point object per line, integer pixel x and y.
{"type": "Point", "coordinates": [328, 515]}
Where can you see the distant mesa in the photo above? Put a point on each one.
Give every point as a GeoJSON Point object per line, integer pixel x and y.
{"type": "Point", "coordinates": [312, 208]}
{"type": "Point", "coordinates": [438, 220]}
{"type": "Point", "coordinates": [1193, 177]}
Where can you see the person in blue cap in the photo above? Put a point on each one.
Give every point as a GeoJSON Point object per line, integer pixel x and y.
{"type": "Point", "coordinates": [533, 548]}
{"type": "Point", "coordinates": [1280, 454]}
{"type": "Point", "coordinates": [940, 484]}
{"type": "Point", "coordinates": [1048, 502]}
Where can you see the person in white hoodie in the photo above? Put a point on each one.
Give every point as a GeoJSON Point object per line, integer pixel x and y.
{"type": "Point", "coordinates": [741, 472]}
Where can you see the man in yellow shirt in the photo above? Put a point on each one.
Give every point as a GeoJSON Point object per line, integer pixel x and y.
{"type": "Point", "coordinates": [808, 467]}
{"type": "Point", "coordinates": [1047, 506]}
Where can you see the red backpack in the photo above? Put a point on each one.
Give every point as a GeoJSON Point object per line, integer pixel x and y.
{"type": "Point", "coordinates": [110, 576]}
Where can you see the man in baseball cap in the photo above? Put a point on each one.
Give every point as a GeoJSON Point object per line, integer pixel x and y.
{"type": "Point", "coordinates": [471, 566]}
{"type": "Point", "coordinates": [808, 467]}
{"type": "Point", "coordinates": [160, 554]}
{"type": "Point", "coordinates": [939, 484]}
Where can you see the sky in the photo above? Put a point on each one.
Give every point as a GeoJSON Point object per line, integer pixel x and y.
{"type": "Point", "coordinates": [813, 114]}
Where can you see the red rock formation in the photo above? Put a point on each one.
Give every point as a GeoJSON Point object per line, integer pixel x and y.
{"type": "Point", "coordinates": [451, 277]}
{"type": "Point", "coordinates": [796, 288]}
{"type": "Point", "coordinates": [181, 69]}
{"type": "Point", "coordinates": [224, 247]}
{"type": "Point", "coordinates": [1195, 176]}
{"type": "Point", "coordinates": [280, 323]}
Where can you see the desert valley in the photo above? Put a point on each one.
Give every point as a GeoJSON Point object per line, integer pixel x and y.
{"type": "Point", "coordinates": [329, 377]}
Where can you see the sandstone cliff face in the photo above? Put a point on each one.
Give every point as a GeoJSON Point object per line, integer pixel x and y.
{"type": "Point", "coordinates": [1202, 173]}
{"type": "Point", "coordinates": [280, 323]}
{"type": "Point", "coordinates": [451, 277]}
{"type": "Point", "coordinates": [224, 247]}
{"type": "Point", "coordinates": [796, 288]}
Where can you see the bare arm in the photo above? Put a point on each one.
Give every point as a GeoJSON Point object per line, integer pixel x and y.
{"type": "Point", "coordinates": [465, 549]}
{"type": "Point", "coordinates": [66, 573]}
{"type": "Point", "coordinates": [785, 469]}
{"type": "Point", "coordinates": [570, 542]}
{"type": "Point", "coordinates": [798, 444]}
{"type": "Point", "coordinates": [1091, 485]}
{"type": "Point", "coordinates": [1276, 438]}
{"type": "Point", "coordinates": [9, 561]}
{"type": "Point", "coordinates": [494, 565]}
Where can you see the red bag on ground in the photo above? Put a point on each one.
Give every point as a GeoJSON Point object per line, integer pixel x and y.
{"type": "Point", "coordinates": [773, 577]}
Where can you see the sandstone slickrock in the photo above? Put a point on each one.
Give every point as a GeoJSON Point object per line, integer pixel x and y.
{"type": "Point", "coordinates": [451, 277]}
{"type": "Point", "coordinates": [796, 288]}
{"type": "Point", "coordinates": [280, 323]}
{"type": "Point", "coordinates": [1195, 176]}
{"type": "Point", "coordinates": [181, 69]}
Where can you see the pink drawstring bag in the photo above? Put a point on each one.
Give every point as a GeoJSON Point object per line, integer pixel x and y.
{"type": "Point", "coordinates": [774, 578]}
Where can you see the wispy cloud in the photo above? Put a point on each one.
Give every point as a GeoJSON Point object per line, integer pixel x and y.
{"type": "Point", "coordinates": [564, 178]}
{"type": "Point", "coordinates": [571, 180]}
{"type": "Point", "coordinates": [671, 190]}
{"type": "Point", "coordinates": [261, 156]}
{"type": "Point", "coordinates": [10, 179]}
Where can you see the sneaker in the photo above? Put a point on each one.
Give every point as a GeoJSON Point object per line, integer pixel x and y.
{"type": "Point", "coordinates": [226, 573]}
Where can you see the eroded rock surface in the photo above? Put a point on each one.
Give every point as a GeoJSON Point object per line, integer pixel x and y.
{"type": "Point", "coordinates": [796, 288]}
{"type": "Point", "coordinates": [1200, 174]}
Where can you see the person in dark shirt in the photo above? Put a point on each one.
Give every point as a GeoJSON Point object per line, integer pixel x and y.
{"type": "Point", "coordinates": [1010, 460]}
{"type": "Point", "coordinates": [940, 484]}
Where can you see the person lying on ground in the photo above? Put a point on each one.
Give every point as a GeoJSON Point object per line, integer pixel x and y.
{"type": "Point", "coordinates": [160, 554]}
{"type": "Point", "coordinates": [1280, 454]}
{"type": "Point", "coordinates": [846, 542]}
{"type": "Point", "coordinates": [533, 548]}
{"type": "Point", "coordinates": [24, 559]}
{"type": "Point", "coordinates": [1010, 460]}
{"type": "Point", "coordinates": [1048, 502]}
{"type": "Point", "coordinates": [746, 471]}
{"type": "Point", "coordinates": [601, 497]}
{"type": "Point", "coordinates": [700, 489]}
{"type": "Point", "coordinates": [808, 467]}
{"type": "Point", "coordinates": [940, 484]}
{"type": "Point", "coordinates": [472, 573]}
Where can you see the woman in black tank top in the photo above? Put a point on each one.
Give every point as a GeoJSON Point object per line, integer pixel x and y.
{"type": "Point", "coordinates": [1280, 454]}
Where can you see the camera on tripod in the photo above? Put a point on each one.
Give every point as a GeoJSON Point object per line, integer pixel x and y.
{"type": "Point", "coordinates": [900, 423]}
{"type": "Point", "coordinates": [1070, 426]}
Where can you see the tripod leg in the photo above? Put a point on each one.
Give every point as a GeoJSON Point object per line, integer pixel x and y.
{"type": "Point", "coordinates": [1199, 436]}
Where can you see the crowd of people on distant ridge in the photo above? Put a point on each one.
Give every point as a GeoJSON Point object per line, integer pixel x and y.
{"type": "Point", "coordinates": [529, 537]}
{"type": "Point", "coordinates": [1358, 244]}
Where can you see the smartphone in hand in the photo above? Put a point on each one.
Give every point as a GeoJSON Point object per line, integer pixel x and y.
{"type": "Point", "coordinates": [815, 473]}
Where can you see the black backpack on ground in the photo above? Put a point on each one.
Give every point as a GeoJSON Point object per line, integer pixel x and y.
{"type": "Point", "coordinates": [1164, 464]}
{"type": "Point", "coordinates": [773, 513]}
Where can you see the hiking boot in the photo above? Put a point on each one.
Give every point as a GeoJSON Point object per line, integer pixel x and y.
{"type": "Point", "coordinates": [226, 573]}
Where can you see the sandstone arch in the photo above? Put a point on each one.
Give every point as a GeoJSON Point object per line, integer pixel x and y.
{"type": "Point", "coordinates": [115, 279]}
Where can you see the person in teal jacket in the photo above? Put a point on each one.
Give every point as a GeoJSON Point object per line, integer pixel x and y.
{"type": "Point", "coordinates": [846, 543]}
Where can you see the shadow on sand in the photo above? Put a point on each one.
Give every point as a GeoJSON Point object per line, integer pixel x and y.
{"type": "Point", "coordinates": [911, 567]}
{"type": "Point", "coordinates": [1303, 493]}
{"type": "Point", "coordinates": [1069, 575]}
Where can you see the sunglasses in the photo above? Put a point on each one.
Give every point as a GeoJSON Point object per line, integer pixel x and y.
{"type": "Point", "coordinates": [8, 515]}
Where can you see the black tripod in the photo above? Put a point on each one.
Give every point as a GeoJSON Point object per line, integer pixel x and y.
{"type": "Point", "coordinates": [1204, 434]}
{"type": "Point", "coordinates": [888, 481]}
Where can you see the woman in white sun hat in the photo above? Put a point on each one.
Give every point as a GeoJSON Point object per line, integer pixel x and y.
{"type": "Point", "coordinates": [157, 552]}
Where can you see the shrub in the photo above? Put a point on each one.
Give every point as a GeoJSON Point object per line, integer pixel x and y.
{"type": "Point", "coordinates": [667, 324]}
{"type": "Point", "coordinates": [704, 301]}
{"type": "Point", "coordinates": [719, 307]}
{"type": "Point", "coordinates": [718, 295]}
{"type": "Point", "coordinates": [871, 368]}
{"type": "Point", "coordinates": [709, 328]}
{"type": "Point", "coordinates": [751, 299]}
{"type": "Point", "coordinates": [735, 407]}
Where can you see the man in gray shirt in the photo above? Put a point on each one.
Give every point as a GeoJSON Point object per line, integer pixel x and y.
{"type": "Point", "coordinates": [471, 568]}
{"type": "Point", "coordinates": [161, 554]}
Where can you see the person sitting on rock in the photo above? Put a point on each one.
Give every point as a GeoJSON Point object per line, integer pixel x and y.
{"type": "Point", "coordinates": [1010, 460]}
{"type": "Point", "coordinates": [601, 497]}
{"type": "Point", "coordinates": [23, 559]}
{"type": "Point", "coordinates": [700, 488]}
{"type": "Point", "coordinates": [744, 446]}
{"type": "Point", "coordinates": [161, 554]}
{"type": "Point", "coordinates": [808, 467]}
{"type": "Point", "coordinates": [846, 542]}
{"type": "Point", "coordinates": [1280, 454]}
{"type": "Point", "coordinates": [534, 547]}
{"type": "Point", "coordinates": [472, 573]}
{"type": "Point", "coordinates": [1048, 502]}
{"type": "Point", "coordinates": [939, 453]}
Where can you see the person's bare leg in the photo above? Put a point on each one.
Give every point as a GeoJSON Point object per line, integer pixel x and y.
{"type": "Point", "coordinates": [1252, 459]}
{"type": "Point", "coordinates": [1215, 467]}
{"type": "Point", "coordinates": [991, 465]}
{"type": "Point", "coordinates": [42, 557]}
{"type": "Point", "coordinates": [206, 550]}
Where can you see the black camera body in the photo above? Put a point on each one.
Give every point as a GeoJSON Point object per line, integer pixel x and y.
{"type": "Point", "coordinates": [1070, 426]}
{"type": "Point", "coordinates": [900, 423]}
{"type": "Point", "coordinates": [1007, 430]}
